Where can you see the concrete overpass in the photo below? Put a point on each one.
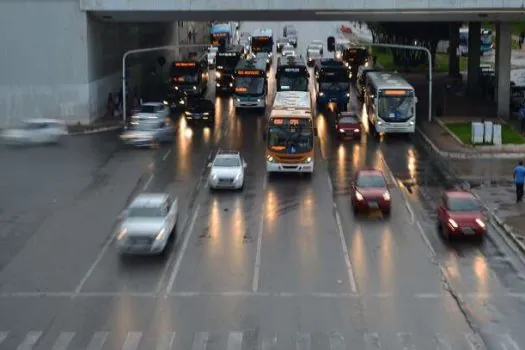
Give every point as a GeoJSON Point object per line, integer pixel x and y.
{"type": "Point", "coordinates": [62, 57]}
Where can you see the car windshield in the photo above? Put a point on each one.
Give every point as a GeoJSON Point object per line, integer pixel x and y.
{"type": "Point", "coordinates": [395, 108]}
{"type": "Point", "coordinates": [249, 85]}
{"type": "Point", "coordinates": [145, 212]}
{"type": "Point", "coordinates": [33, 126]}
{"type": "Point", "coordinates": [149, 109]}
{"type": "Point", "coordinates": [462, 204]}
{"type": "Point", "coordinates": [348, 120]}
{"type": "Point", "coordinates": [227, 162]}
{"type": "Point", "coordinates": [288, 140]}
{"type": "Point", "coordinates": [371, 181]}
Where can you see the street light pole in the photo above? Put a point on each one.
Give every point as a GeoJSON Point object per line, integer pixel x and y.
{"type": "Point", "coordinates": [137, 51]}
{"type": "Point", "coordinates": [429, 55]}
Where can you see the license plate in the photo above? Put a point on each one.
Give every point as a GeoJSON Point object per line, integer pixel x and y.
{"type": "Point", "coordinates": [197, 116]}
{"type": "Point", "coordinates": [142, 241]}
{"type": "Point", "coordinates": [373, 204]}
{"type": "Point", "coordinates": [468, 231]}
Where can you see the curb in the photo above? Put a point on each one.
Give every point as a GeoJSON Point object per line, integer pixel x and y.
{"type": "Point", "coordinates": [507, 230]}
{"type": "Point", "coordinates": [468, 155]}
{"type": "Point", "coordinates": [95, 130]}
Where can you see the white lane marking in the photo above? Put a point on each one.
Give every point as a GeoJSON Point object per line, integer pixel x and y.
{"type": "Point", "coordinates": [97, 341]}
{"type": "Point", "coordinates": [508, 343]}
{"type": "Point", "coordinates": [3, 335]}
{"type": "Point", "coordinates": [146, 185]}
{"type": "Point", "coordinates": [235, 341]}
{"type": "Point", "coordinates": [303, 341]}
{"type": "Point", "coordinates": [411, 212]}
{"type": "Point", "coordinates": [200, 342]}
{"type": "Point", "coordinates": [269, 343]}
{"type": "Point", "coordinates": [166, 342]}
{"type": "Point", "coordinates": [441, 343]}
{"type": "Point", "coordinates": [474, 341]}
{"type": "Point", "coordinates": [372, 341]}
{"type": "Point", "coordinates": [30, 340]}
{"type": "Point", "coordinates": [166, 155]}
{"type": "Point", "coordinates": [406, 341]}
{"type": "Point", "coordinates": [178, 263]}
{"type": "Point", "coordinates": [94, 265]}
{"type": "Point", "coordinates": [132, 341]}
{"type": "Point", "coordinates": [426, 239]}
{"type": "Point", "coordinates": [337, 341]}
{"type": "Point", "coordinates": [330, 184]}
{"type": "Point", "coordinates": [351, 276]}
{"type": "Point", "coordinates": [257, 265]}
{"type": "Point", "coordinates": [63, 341]}
{"type": "Point", "coordinates": [265, 180]}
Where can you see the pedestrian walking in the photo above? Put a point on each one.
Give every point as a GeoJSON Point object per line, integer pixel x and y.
{"type": "Point", "coordinates": [521, 117]}
{"type": "Point", "coordinates": [519, 180]}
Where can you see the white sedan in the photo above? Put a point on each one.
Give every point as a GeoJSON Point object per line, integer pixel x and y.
{"type": "Point", "coordinates": [227, 171]}
{"type": "Point", "coordinates": [147, 224]}
{"type": "Point", "coordinates": [36, 131]}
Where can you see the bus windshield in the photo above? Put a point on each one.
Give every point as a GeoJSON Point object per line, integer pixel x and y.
{"type": "Point", "coordinates": [184, 75]}
{"type": "Point", "coordinates": [249, 86]}
{"type": "Point", "coordinates": [290, 140]}
{"type": "Point", "coordinates": [262, 44]}
{"type": "Point", "coordinates": [395, 108]}
{"type": "Point", "coordinates": [334, 86]}
{"type": "Point", "coordinates": [292, 83]}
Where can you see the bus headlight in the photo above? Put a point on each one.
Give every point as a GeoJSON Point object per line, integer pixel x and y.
{"type": "Point", "coordinates": [347, 94]}
{"type": "Point", "coordinates": [194, 88]}
{"type": "Point", "coordinates": [321, 94]}
{"type": "Point", "coordinates": [411, 123]}
{"type": "Point", "coordinates": [270, 159]}
{"type": "Point", "coordinates": [217, 74]}
{"type": "Point", "coordinates": [308, 160]}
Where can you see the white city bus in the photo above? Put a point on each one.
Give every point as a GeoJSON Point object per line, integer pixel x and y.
{"type": "Point", "coordinates": [390, 103]}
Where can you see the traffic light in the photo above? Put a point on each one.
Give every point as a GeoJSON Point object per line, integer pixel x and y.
{"type": "Point", "coordinates": [330, 44]}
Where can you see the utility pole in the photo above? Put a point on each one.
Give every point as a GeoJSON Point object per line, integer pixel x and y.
{"type": "Point", "coordinates": [138, 51]}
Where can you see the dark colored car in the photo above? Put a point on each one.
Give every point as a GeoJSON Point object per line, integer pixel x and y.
{"type": "Point", "coordinates": [348, 126]}
{"type": "Point", "coordinates": [200, 110]}
{"type": "Point", "coordinates": [370, 192]}
{"type": "Point", "coordinates": [460, 215]}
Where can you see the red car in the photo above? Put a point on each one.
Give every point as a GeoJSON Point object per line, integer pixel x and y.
{"type": "Point", "coordinates": [370, 192]}
{"type": "Point", "coordinates": [348, 126]}
{"type": "Point", "coordinates": [460, 215]}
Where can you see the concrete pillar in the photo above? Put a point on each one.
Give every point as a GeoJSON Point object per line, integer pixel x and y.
{"type": "Point", "coordinates": [474, 53]}
{"type": "Point", "coordinates": [503, 56]}
{"type": "Point", "coordinates": [453, 58]}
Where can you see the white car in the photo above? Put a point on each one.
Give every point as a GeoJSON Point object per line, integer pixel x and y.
{"type": "Point", "coordinates": [212, 53]}
{"type": "Point", "coordinates": [288, 51]}
{"type": "Point", "coordinates": [152, 110]}
{"type": "Point", "coordinates": [317, 43]}
{"type": "Point", "coordinates": [227, 171]}
{"type": "Point", "coordinates": [36, 131]}
{"type": "Point", "coordinates": [147, 224]}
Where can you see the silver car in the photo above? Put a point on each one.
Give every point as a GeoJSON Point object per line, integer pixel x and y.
{"type": "Point", "coordinates": [150, 127]}
{"type": "Point", "coordinates": [147, 224]}
{"type": "Point", "coordinates": [227, 171]}
{"type": "Point", "coordinates": [36, 131]}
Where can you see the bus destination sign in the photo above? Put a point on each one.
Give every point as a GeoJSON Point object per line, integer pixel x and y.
{"type": "Point", "coordinates": [249, 72]}
{"type": "Point", "coordinates": [227, 54]}
{"type": "Point", "coordinates": [289, 122]}
{"type": "Point", "coordinates": [185, 64]}
{"type": "Point", "coordinates": [396, 92]}
{"type": "Point", "coordinates": [292, 70]}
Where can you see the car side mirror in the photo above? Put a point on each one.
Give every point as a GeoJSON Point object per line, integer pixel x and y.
{"type": "Point", "coordinates": [244, 164]}
{"type": "Point", "coordinates": [209, 165]}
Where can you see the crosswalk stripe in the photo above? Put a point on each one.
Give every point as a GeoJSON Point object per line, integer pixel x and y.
{"type": "Point", "coordinates": [508, 343]}
{"type": "Point", "coordinates": [166, 342]}
{"type": "Point", "coordinates": [132, 341]}
{"type": "Point", "coordinates": [3, 335]}
{"type": "Point", "coordinates": [337, 341]}
{"type": "Point", "coordinates": [269, 343]}
{"type": "Point", "coordinates": [441, 344]}
{"type": "Point", "coordinates": [235, 341]}
{"type": "Point", "coordinates": [30, 340]}
{"type": "Point", "coordinates": [97, 341]}
{"type": "Point", "coordinates": [200, 341]}
{"type": "Point", "coordinates": [406, 341]}
{"type": "Point", "coordinates": [303, 341]}
{"type": "Point", "coordinates": [63, 340]}
{"type": "Point", "coordinates": [372, 341]}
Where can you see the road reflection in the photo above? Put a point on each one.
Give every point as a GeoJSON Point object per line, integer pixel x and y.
{"type": "Point", "coordinates": [386, 263]}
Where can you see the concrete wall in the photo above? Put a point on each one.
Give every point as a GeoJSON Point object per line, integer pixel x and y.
{"type": "Point", "coordinates": [59, 62]}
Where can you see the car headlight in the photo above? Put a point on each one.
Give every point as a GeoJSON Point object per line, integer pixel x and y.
{"type": "Point", "coordinates": [194, 88]}
{"type": "Point", "coordinates": [206, 113]}
{"type": "Point", "coordinates": [358, 196]}
{"type": "Point", "coordinates": [181, 102]}
{"type": "Point", "coordinates": [347, 94]}
{"type": "Point", "coordinates": [187, 113]}
{"type": "Point", "coordinates": [217, 74]}
{"type": "Point", "coordinates": [176, 88]}
{"type": "Point", "coordinates": [123, 233]}
{"type": "Point", "coordinates": [214, 176]}
{"type": "Point", "coordinates": [341, 130]}
{"type": "Point", "coordinates": [321, 94]}
{"type": "Point", "coordinates": [165, 102]}
{"type": "Point", "coordinates": [480, 223]}
{"type": "Point", "coordinates": [160, 235]}
{"type": "Point", "coordinates": [386, 196]}
{"type": "Point", "coordinates": [453, 223]}
{"type": "Point", "coordinates": [308, 160]}
{"type": "Point", "coordinates": [237, 177]}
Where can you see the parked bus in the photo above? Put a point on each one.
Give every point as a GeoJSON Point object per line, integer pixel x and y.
{"type": "Point", "coordinates": [262, 41]}
{"type": "Point", "coordinates": [221, 31]}
{"type": "Point", "coordinates": [486, 44]}
{"type": "Point", "coordinates": [333, 84]}
{"type": "Point", "coordinates": [390, 103]}
{"type": "Point", "coordinates": [292, 74]}
{"type": "Point", "coordinates": [290, 133]}
{"type": "Point", "coordinates": [250, 84]}
{"type": "Point", "coordinates": [225, 67]}
{"type": "Point", "coordinates": [187, 78]}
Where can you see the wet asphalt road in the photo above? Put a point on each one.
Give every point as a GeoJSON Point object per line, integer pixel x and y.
{"type": "Point", "coordinates": [282, 265]}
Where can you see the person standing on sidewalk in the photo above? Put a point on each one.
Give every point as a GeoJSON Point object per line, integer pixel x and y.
{"type": "Point", "coordinates": [519, 180]}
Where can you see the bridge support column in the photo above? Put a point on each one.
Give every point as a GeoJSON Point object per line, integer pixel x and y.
{"type": "Point", "coordinates": [503, 65]}
{"type": "Point", "coordinates": [474, 53]}
{"type": "Point", "coordinates": [453, 58]}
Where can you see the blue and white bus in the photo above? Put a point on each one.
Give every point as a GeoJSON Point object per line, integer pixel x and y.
{"type": "Point", "coordinates": [221, 31]}
{"type": "Point", "coordinates": [486, 44]}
